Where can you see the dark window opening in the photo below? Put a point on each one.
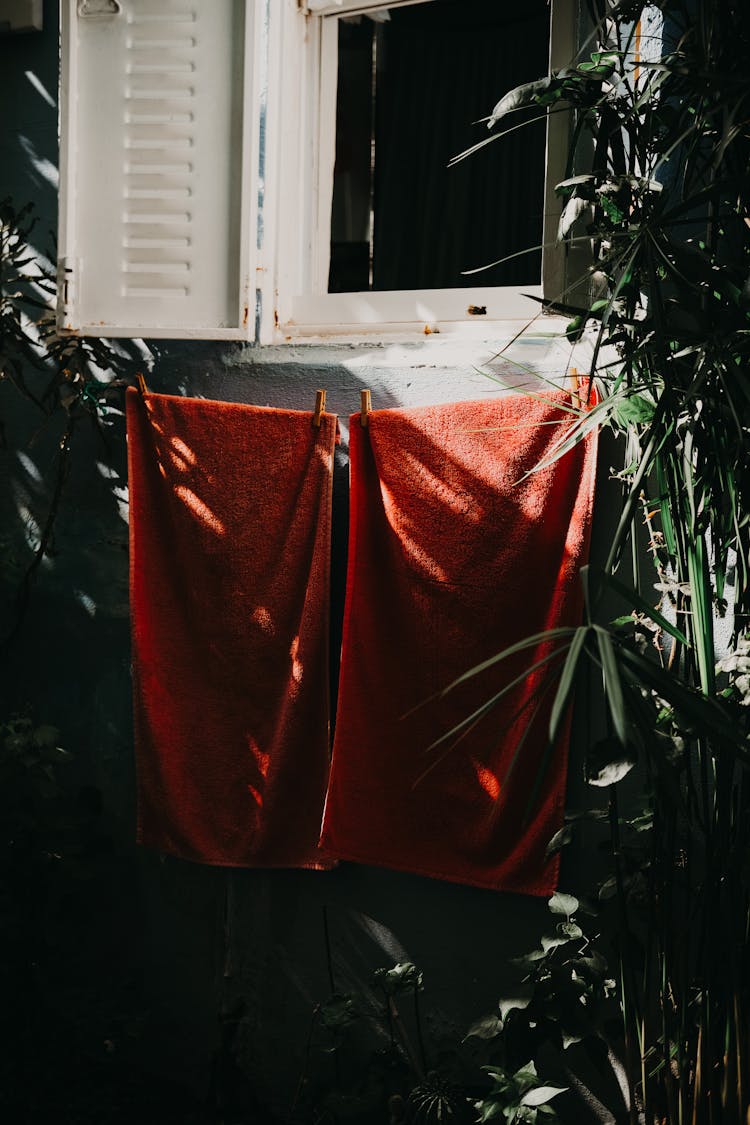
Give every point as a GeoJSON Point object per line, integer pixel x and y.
{"type": "Point", "coordinates": [409, 88]}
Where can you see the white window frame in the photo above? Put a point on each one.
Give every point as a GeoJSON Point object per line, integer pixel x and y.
{"type": "Point", "coordinates": [286, 160]}
{"type": "Point", "coordinates": [295, 304]}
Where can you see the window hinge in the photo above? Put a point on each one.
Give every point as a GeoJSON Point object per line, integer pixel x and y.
{"type": "Point", "coordinates": [67, 277]}
{"type": "Point", "coordinates": [311, 6]}
{"type": "Point", "coordinates": [99, 7]}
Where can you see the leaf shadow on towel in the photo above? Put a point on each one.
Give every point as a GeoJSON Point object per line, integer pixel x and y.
{"type": "Point", "coordinates": [457, 555]}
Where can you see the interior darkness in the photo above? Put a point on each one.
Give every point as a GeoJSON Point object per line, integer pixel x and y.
{"type": "Point", "coordinates": [435, 69]}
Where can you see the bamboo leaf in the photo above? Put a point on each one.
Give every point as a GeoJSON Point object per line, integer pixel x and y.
{"type": "Point", "coordinates": [528, 642]}
{"type": "Point", "coordinates": [608, 762]}
{"type": "Point", "coordinates": [487, 706]}
{"type": "Point", "coordinates": [700, 602]}
{"type": "Point", "coordinates": [612, 685]}
{"type": "Point", "coordinates": [639, 602]}
{"type": "Point", "coordinates": [567, 681]}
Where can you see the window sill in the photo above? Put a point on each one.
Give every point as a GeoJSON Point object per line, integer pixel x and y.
{"type": "Point", "coordinates": [402, 315]}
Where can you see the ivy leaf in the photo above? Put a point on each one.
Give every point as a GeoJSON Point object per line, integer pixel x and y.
{"type": "Point", "coordinates": [401, 978]}
{"type": "Point", "coordinates": [558, 841]}
{"type": "Point", "coordinates": [563, 904]}
{"type": "Point", "coordinates": [489, 1027]}
{"type": "Point", "coordinates": [608, 889]}
{"type": "Point", "coordinates": [518, 1003]}
{"type": "Point", "coordinates": [571, 931]}
{"type": "Point", "coordinates": [608, 762]}
{"type": "Point", "coordinates": [338, 1012]}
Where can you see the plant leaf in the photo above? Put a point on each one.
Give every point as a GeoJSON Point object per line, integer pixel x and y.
{"type": "Point", "coordinates": [608, 762]}
{"type": "Point", "coordinates": [542, 1094]}
{"type": "Point", "coordinates": [518, 98]}
{"type": "Point", "coordinates": [567, 681]}
{"type": "Point", "coordinates": [636, 599]}
{"type": "Point", "coordinates": [612, 684]}
{"type": "Point", "coordinates": [563, 904]}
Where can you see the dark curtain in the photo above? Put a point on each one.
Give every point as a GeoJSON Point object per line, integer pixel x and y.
{"type": "Point", "coordinates": [442, 66]}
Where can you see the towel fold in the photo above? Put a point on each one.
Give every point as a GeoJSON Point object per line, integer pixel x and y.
{"type": "Point", "coordinates": [453, 558]}
{"type": "Point", "coordinates": [230, 511]}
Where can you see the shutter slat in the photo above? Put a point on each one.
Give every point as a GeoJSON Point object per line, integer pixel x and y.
{"type": "Point", "coordinates": [159, 139]}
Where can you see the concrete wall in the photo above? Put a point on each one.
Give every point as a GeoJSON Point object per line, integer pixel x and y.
{"type": "Point", "coordinates": [200, 953]}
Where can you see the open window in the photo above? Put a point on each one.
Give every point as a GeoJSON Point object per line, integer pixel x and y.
{"type": "Point", "coordinates": [383, 229]}
{"type": "Point", "coordinates": [278, 168]}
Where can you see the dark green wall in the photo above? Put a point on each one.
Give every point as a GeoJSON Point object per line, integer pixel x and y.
{"type": "Point", "coordinates": [145, 974]}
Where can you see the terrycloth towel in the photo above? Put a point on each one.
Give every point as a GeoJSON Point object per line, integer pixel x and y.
{"type": "Point", "coordinates": [453, 558]}
{"type": "Point", "coordinates": [230, 513]}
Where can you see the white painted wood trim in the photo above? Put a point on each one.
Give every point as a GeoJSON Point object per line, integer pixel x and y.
{"type": "Point", "coordinates": [352, 7]}
{"type": "Point", "coordinates": [326, 153]}
{"type": "Point", "coordinates": [68, 146]}
{"type": "Point", "coordinates": [235, 320]}
{"type": "Point", "coordinates": [563, 46]}
{"type": "Point", "coordinates": [302, 308]}
{"type": "Point", "coordinates": [136, 332]}
{"type": "Point", "coordinates": [253, 73]}
{"type": "Point", "coordinates": [431, 307]}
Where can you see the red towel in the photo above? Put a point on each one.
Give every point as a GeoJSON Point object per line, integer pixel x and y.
{"type": "Point", "coordinates": [453, 558]}
{"type": "Point", "coordinates": [230, 512]}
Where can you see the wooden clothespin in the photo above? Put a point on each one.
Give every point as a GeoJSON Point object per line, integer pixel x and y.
{"type": "Point", "coordinates": [320, 405]}
{"type": "Point", "coordinates": [141, 383]}
{"type": "Point", "coordinates": [575, 388]}
{"type": "Point", "coordinates": [365, 408]}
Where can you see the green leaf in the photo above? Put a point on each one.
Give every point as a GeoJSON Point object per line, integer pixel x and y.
{"type": "Point", "coordinates": [526, 1078]}
{"type": "Point", "coordinates": [575, 181]}
{"type": "Point", "coordinates": [489, 1027]}
{"type": "Point", "coordinates": [572, 211]}
{"type": "Point", "coordinates": [567, 681]}
{"type": "Point", "coordinates": [571, 931]}
{"type": "Point", "coordinates": [489, 1110]}
{"type": "Point", "coordinates": [517, 1004]}
{"type": "Point", "coordinates": [640, 603]}
{"type": "Point", "coordinates": [612, 684]}
{"type": "Point", "coordinates": [520, 97]}
{"type": "Point", "coordinates": [634, 409]}
{"type": "Point", "coordinates": [528, 642]}
{"type": "Point", "coordinates": [558, 841]}
{"type": "Point", "coordinates": [563, 904]}
{"type": "Point", "coordinates": [403, 977]}
{"type": "Point", "coordinates": [608, 889]}
{"type": "Point", "coordinates": [542, 1094]}
{"type": "Point", "coordinates": [700, 601]}
{"type": "Point", "coordinates": [608, 762]}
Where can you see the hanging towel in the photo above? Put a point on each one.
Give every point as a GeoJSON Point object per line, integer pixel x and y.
{"type": "Point", "coordinates": [455, 556]}
{"type": "Point", "coordinates": [230, 512]}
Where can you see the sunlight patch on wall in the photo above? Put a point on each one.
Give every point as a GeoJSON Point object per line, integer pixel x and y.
{"type": "Point", "coordinates": [29, 466]}
{"type": "Point", "coordinates": [86, 601]}
{"type": "Point", "coordinates": [41, 165]}
{"type": "Point", "coordinates": [40, 88]}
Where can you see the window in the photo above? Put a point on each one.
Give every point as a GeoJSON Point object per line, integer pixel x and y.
{"type": "Point", "coordinates": [276, 168]}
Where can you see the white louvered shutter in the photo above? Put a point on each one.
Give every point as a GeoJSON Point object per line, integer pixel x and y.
{"type": "Point", "coordinates": [159, 158]}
